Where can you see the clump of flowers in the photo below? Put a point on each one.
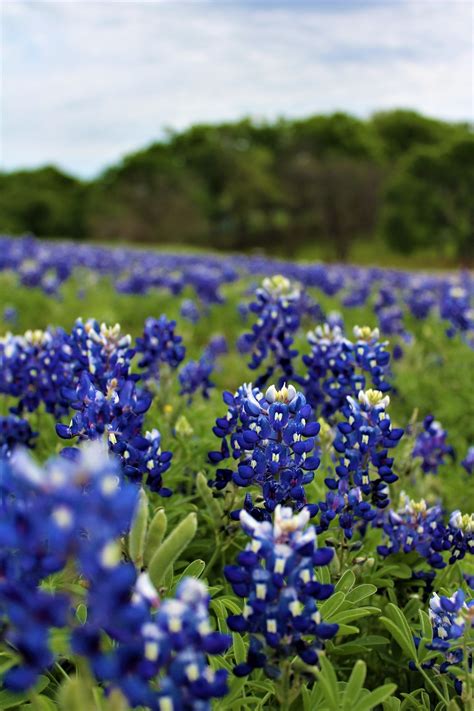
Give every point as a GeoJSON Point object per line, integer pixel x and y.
{"type": "Point", "coordinates": [456, 307]}
{"type": "Point", "coordinates": [460, 535]}
{"type": "Point", "coordinates": [363, 441]}
{"type": "Point", "coordinates": [279, 305]}
{"type": "Point", "coordinates": [169, 641]}
{"type": "Point", "coordinates": [272, 438]}
{"type": "Point", "coordinates": [363, 466]}
{"type": "Point", "coordinates": [118, 414]}
{"type": "Point", "coordinates": [338, 367]}
{"type": "Point", "coordinates": [275, 574]}
{"type": "Point", "coordinates": [69, 511]}
{"type": "Point", "coordinates": [431, 446]}
{"type": "Point", "coordinates": [158, 345]}
{"type": "Point", "coordinates": [449, 618]}
{"type": "Point", "coordinates": [33, 368]}
{"type": "Point", "coordinates": [103, 351]}
{"type": "Point", "coordinates": [414, 526]}
{"type": "Point", "coordinates": [14, 432]}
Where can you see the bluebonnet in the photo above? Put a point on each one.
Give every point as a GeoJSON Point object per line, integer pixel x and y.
{"type": "Point", "coordinates": [275, 574]}
{"type": "Point", "coordinates": [459, 535]}
{"type": "Point", "coordinates": [168, 641]}
{"type": "Point", "coordinates": [103, 351]}
{"type": "Point", "coordinates": [456, 307]}
{"type": "Point", "coordinates": [195, 375]}
{"type": "Point", "coordinates": [363, 441]}
{"type": "Point", "coordinates": [158, 345]}
{"type": "Point", "coordinates": [33, 367]}
{"type": "Point", "coordinates": [431, 446]}
{"type": "Point", "coordinates": [68, 511]}
{"type": "Point", "coordinates": [414, 526]}
{"type": "Point", "coordinates": [337, 367]}
{"type": "Point", "coordinates": [279, 306]}
{"type": "Point", "coordinates": [10, 314]}
{"type": "Point", "coordinates": [449, 617]}
{"type": "Point", "coordinates": [119, 416]}
{"type": "Point", "coordinates": [347, 505]}
{"type": "Point", "coordinates": [420, 300]}
{"type": "Point", "coordinates": [468, 461]}
{"type": "Point", "coordinates": [272, 438]}
{"type": "Point", "coordinates": [14, 432]}
{"type": "Point", "coordinates": [190, 311]}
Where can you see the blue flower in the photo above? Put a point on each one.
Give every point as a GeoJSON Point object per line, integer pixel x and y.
{"type": "Point", "coordinates": [431, 446]}
{"type": "Point", "coordinates": [280, 306]}
{"type": "Point", "coordinates": [272, 437]}
{"type": "Point", "coordinates": [413, 527]}
{"type": "Point", "coordinates": [338, 367]}
{"type": "Point", "coordinates": [159, 344]}
{"type": "Point", "coordinates": [460, 535]}
{"type": "Point", "coordinates": [468, 461]}
{"type": "Point", "coordinates": [363, 441]}
{"type": "Point", "coordinates": [275, 574]}
{"type": "Point", "coordinates": [15, 432]}
{"type": "Point", "coordinates": [68, 512]}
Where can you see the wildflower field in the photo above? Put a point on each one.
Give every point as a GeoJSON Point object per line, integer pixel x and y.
{"type": "Point", "coordinates": [249, 484]}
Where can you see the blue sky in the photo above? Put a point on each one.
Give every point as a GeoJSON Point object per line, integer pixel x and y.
{"type": "Point", "coordinates": [85, 82]}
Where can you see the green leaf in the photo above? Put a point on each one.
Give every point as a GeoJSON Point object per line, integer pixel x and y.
{"type": "Point", "coordinates": [116, 701]}
{"type": "Point", "coordinates": [354, 685]}
{"type": "Point", "coordinates": [361, 592]}
{"type": "Point", "coordinates": [138, 531]}
{"type": "Point", "coordinates": [328, 679]}
{"type": "Point", "coordinates": [194, 569]}
{"type": "Point", "coordinates": [355, 614]}
{"type": "Point", "coordinates": [81, 613]}
{"type": "Point", "coordinates": [9, 700]}
{"type": "Point", "coordinates": [346, 582]}
{"type": "Point", "coordinates": [240, 652]}
{"type": "Point", "coordinates": [400, 637]}
{"type": "Point", "coordinates": [156, 533]}
{"type": "Point", "coordinates": [329, 607]}
{"type": "Point", "coordinates": [171, 548]}
{"type": "Point", "coordinates": [75, 694]}
{"type": "Point", "coordinates": [398, 617]}
{"type": "Point", "coordinates": [375, 698]}
{"type": "Point", "coordinates": [426, 627]}
{"type": "Point", "coordinates": [212, 504]}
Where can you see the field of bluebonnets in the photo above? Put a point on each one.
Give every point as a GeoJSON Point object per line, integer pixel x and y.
{"type": "Point", "coordinates": [255, 492]}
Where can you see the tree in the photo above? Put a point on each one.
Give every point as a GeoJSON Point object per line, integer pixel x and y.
{"type": "Point", "coordinates": [148, 198]}
{"type": "Point", "coordinates": [46, 202]}
{"type": "Point", "coordinates": [428, 200]}
{"type": "Point", "coordinates": [401, 130]}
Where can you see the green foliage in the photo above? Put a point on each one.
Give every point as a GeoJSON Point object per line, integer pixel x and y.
{"type": "Point", "coordinates": [44, 201]}
{"type": "Point", "coordinates": [428, 199]}
{"type": "Point", "coordinates": [310, 186]}
{"type": "Point", "coordinates": [366, 666]}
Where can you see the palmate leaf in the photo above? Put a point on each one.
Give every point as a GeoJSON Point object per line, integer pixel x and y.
{"type": "Point", "coordinates": [354, 685]}
{"type": "Point", "coordinates": [374, 698]}
{"type": "Point", "coordinates": [171, 548]}
{"type": "Point", "coordinates": [397, 625]}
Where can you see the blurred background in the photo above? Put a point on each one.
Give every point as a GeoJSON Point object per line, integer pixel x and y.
{"type": "Point", "coordinates": [337, 129]}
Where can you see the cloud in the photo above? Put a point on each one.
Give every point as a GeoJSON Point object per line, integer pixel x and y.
{"type": "Point", "coordinates": [85, 82]}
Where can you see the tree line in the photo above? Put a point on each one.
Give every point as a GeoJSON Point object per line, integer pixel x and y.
{"type": "Point", "coordinates": [398, 177]}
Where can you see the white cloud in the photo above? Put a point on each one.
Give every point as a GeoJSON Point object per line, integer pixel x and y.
{"type": "Point", "coordinates": [85, 82]}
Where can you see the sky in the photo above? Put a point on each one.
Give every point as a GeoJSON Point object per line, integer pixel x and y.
{"type": "Point", "coordinates": [83, 83]}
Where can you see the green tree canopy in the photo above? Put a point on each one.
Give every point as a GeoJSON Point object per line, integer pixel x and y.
{"type": "Point", "coordinates": [428, 201]}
